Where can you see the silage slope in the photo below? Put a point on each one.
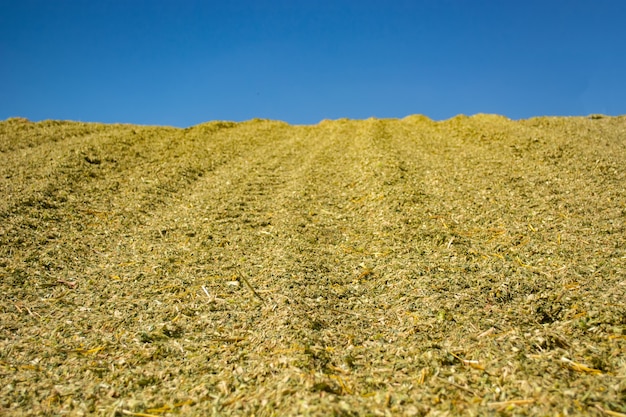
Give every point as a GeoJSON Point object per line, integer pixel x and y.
{"type": "Point", "coordinates": [380, 266]}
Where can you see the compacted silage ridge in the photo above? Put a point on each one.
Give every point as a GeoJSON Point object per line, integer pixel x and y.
{"type": "Point", "coordinates": [379, 267]}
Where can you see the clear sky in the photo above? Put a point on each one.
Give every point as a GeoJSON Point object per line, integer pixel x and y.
{"type": "Point", "coordinates": [184, 62]}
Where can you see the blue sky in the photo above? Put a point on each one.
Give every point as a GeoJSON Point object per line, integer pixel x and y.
{"type": "Point", "coordinates": [185, 62]}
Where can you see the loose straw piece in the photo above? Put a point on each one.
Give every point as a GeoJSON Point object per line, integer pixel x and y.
{"type": "Point", "coordinates": [245, 281]}
{"type": "Point", "coordinates": [579, 367]}
{"type": "Point", "coordinates": [206, 292]}
{"type": "Point", "coordinates": [609, 412]}
{"type": "Point", "coordinates": [504, 404]}
{"type": "Point", "coordinates": [130, 413]}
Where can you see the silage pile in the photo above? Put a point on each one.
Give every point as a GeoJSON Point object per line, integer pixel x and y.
{"type": "Point", "coordinates": [473, 266]}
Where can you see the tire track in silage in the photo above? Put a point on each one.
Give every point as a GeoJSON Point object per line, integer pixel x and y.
{"type": "Point", "coordinates": [331, 268]}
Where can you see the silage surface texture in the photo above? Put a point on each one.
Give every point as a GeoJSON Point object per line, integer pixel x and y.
{"type": "Point", "coordinates": [473, 266]}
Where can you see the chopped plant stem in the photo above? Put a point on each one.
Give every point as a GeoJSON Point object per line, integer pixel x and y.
{"type": "Point", "coordinates": [207, 293]}
{"type": "Point", "coordinates": [505, 404]}
{"type": "Point", "coordinates": [579, 366]}
{"type": "Point", "coordinates": [609, 412]}
{"type": "Point", "coordinates": [130, 413]}
{"type": "Point", "coordinates": [245, 280]}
